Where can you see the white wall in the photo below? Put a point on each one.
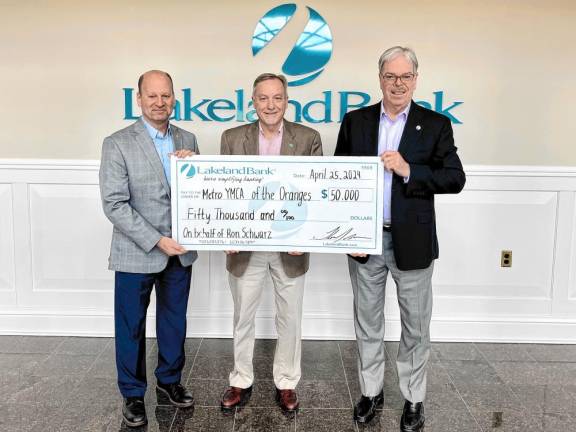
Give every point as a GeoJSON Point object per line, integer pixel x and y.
{"type": "Point", "coordinates": [54, 243]}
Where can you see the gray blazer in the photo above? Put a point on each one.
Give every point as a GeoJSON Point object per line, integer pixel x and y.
{"type": "Point", "coordinates": [297, 140]}
{"type": "Point", "coordinates": [136, 198]}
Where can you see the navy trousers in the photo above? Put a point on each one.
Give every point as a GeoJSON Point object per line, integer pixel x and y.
{"type": "Point", "coordinates": [131, 299]}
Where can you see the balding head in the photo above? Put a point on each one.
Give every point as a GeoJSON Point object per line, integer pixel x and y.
{"type": "Point", "coordinates": [151, 73]}
{"type": "Point", "coordinates": [156, 98]}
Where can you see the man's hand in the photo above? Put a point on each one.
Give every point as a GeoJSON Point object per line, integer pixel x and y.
{"type": "Point", "coordinates": [170, 247]}
{"type": "Point", "coordinates": [393, 161]}
{"type": "Point", "coordinates": [358, 255]}
{"type": "Point", "coordinates": [183, 153]}
{"type": "Point", "coordinates": [230, 252]}
{"type": "Point", "coordinates": [296, 253]}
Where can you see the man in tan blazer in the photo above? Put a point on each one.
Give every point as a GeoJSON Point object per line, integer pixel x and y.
{"type": "Point", "coordinates": [271, 135]}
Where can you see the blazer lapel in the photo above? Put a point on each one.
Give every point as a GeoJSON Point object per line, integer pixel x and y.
{"type": "Point", "coordinates": [372, 121]}
{"type": "Point", "coordinates": [176, 138]}
{"type": "Point", "coordinates": [251, 146]}
{"type": "Point", "coordinates": [288, 146]}
{"type": "Point", "coordinates": [412, 129]}
{"type": "Point", "coordinates": [143, 139]}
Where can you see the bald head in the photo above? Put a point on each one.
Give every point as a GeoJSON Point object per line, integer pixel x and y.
{"type": "Point", "coordinates": [156, 73]}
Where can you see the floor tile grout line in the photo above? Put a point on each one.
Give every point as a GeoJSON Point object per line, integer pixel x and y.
{"type": "Point", "coordinates": [347, 383]}
{"type": "Point", "coordinates": [530, 355]}
{"type": "Point", "coordinates": [173, 419]}
{"type": "Point", "coordinates": [91, 366]}
{"type": "Point", "coordinates": [186, 381]}
{"type": "Point", "coordinates": [59, 345]}
{"type": "Point", "coordinates": [345, 376]}
{"type": "Point", "coordinates": [50, 354]}
{"type": "Point", "coordinates": [507, 386]}
{"type": "Point", "coordinates": [296, 421]}
{"type": "Point", "coordinates": [101, 353]}
{"type": "Point", "coordinates": [194, 360]}
{"type": "Point", "coordinates": [80, 376]}
{"type": "Point", "coordinates": [460, 395]}
{"type": "Point", "coordinates": [506, 383]}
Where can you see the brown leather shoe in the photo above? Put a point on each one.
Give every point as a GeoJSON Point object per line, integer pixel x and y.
{"type": "Point", "coordinates": [233, 397]}
{"type": "Point", "coordinates": [287, 400]}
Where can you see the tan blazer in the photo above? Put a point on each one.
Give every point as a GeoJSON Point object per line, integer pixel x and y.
{"type": "Point", "coordinates": [297, 140]}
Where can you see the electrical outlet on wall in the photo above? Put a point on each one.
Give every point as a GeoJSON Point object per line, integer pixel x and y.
{"type": "Point", "coordinates": [506, 258]}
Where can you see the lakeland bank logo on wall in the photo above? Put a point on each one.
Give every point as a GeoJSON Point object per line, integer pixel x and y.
{"type": "Point", "coordinates": [305, 62]}
{"type": "Point", "coordinates": [312, 50]}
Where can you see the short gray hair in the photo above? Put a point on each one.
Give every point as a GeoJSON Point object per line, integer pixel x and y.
{"type": "Point", "coordinates": [268, 76]}
{"type": "Point", "coordinates": [392, 53]}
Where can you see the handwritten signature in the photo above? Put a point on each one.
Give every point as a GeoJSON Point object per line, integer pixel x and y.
{"type": "Point", "coordinates": [336, 235]}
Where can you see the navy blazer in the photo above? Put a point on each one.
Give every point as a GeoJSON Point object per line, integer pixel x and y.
{"type": "Point", "coordinates": [427, 145]}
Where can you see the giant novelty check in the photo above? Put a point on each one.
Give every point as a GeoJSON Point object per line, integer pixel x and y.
{"type": "Point", "coordinates": [278, 203]}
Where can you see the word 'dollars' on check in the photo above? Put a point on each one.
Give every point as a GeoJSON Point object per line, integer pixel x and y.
{"type": "Point", "coordinates": [278, 203]}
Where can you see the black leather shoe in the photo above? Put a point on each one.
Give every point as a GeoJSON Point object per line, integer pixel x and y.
{"type": "Point", "coordinates": [134, 412]}
{"type": "Point", "coordinates": [177, 394]}
{"type": "Point", "coordinates": [365, 409]}
{"type": "Point", "coordinates": [412, 417]}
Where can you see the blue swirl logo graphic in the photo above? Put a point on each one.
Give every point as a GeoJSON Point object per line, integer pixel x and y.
{"type": "Point", "coordinates": [312, 50]}
{"type": "Point", "coordinates": [191, 171]}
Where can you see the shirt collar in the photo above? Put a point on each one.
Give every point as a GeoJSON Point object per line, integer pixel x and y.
{"type": "Point", "coordinates": [280, 130]}
{"type": "Point", "coordinates": [155, 133]}
{"type": "Point", "coordinates": [403, 113]}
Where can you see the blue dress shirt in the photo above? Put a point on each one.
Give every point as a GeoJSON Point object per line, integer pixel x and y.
{"type": "Point", "coordinates": [164, 146]}
{"type": "Point", "coordinates": [389, 135]}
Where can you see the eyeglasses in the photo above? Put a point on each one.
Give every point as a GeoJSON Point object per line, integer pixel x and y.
{"type": "Point", "coordinates": [391, 78]}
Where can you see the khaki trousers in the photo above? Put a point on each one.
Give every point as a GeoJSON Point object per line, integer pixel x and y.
{"type": "Point", "coordinates": [288, 293]}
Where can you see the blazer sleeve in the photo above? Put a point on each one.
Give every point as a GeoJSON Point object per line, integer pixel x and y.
{"type": "Point", "coordinates": [343, 143]}
{"type": "Point", "coordinates": [224, 146]}
{"type": "Point", "coordinates": [195, 147]}
{"type": "Point", "coordinates": [115, 194]}
{"type": "Point", "coordinates": [444, 173]}
{"type": "Point", "coordinates": [316, 146]}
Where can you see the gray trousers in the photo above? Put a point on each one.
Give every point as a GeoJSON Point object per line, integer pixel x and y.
{"type": "Point", "coordinates": [414, 290]}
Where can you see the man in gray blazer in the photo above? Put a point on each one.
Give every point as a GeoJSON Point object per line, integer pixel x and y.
{"type": "Point", "coordinates": [135, 190]}
{"type": "Point", "coordinates": [270, 135]}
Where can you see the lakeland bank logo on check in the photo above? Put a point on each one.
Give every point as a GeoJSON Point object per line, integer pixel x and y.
{"type": "Point", "coordinates": [189, 170]}
{"type": "Point", "coordinates": [305, 62]}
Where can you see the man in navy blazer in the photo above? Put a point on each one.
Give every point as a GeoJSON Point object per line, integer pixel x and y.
{"type": "Point", "coordinates": [417, 149]}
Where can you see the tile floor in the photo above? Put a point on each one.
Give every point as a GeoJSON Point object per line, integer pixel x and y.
{"type": "Point", "coordinates": [68, 384]}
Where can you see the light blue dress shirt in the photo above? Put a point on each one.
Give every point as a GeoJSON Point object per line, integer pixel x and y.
{"type": "Point", "coordinates": [389, 135]}
{"type": "Point", "coordinates": [164, 146]}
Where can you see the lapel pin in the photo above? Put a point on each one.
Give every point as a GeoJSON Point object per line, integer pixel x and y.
{"type": "Point", "coordinates": [290, 145]}
{"type": "Point", "coordinates": [418, 127]}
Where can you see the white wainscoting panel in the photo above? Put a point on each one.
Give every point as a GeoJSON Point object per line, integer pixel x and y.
{"type": "Point", "coordinates": [474, 227]}
{"type": "Point", "coordinates": [68, 236]}
{"type": "Point", "coordinates": [565, 300]}
{"type": "Point", "coordinates": [7, 273]}
{"type": "Point", "coordinates": [55, 243]}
